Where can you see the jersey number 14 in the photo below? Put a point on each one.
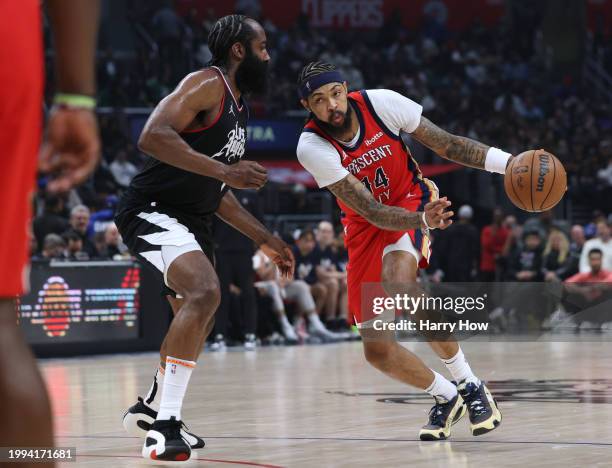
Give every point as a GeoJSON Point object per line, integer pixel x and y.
{"type": "Point", "coordinates": [380, 180]}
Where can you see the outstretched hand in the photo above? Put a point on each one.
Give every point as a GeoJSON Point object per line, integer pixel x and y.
{"type": "Point", "coordinates": [71, 150]}
{"type": "Point", "coordinates": [436, 215]}
{"type": "Point", "coordinates": [280, 253]}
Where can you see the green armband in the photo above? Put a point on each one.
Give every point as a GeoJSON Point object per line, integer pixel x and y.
{"type": "Point", "coordinates": [74, 101]}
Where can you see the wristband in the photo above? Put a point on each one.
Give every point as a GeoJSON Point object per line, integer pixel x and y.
{"type": "Point", "coordinates": [74, 101]}
{"type": "Point", "coordinates": [427, 226]}
{"type": "Point", "coordinates": [496, 160]}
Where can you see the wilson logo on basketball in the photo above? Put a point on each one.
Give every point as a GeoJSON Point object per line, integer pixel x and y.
{"type": "Point", "coordinates": [544, 169]}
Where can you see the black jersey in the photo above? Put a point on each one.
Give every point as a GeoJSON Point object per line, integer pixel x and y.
{"type": "Point", "coordinates": [223, 140]}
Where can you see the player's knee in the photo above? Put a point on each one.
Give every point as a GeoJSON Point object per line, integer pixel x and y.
{"type": "Point", "coordinates": [332, 285]}
{"type": "Point", "coordinates": [377, 353]}
{"type": "Point", "coordinates": [301, 287]}
{"type": "Point", "coordinates": [205, 298]}
{"type": "Point", "coordinates": [319, 290]}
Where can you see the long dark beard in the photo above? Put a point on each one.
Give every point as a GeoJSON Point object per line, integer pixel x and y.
{"type": "Point", "coordinates": [252, 74]}
{"type": "Point", "coordinates": [333, 130]}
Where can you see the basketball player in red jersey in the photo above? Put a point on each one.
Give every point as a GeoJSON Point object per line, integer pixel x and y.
{"type": "Point", "coordinates": [351, 145]}
{"type": "Point", "coordinates": [71, 152]}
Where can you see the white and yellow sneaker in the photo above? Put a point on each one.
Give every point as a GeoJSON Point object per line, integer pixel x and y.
{"type": "Point", "coordinates": [441, 417]}
{"type": "Point", "coordinates": [481, 406]}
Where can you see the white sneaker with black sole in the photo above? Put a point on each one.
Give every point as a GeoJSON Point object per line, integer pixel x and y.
{"type": "Point", "coordinates": [138, 419]}
{"type": "Point", "coordinates": [164, 441]}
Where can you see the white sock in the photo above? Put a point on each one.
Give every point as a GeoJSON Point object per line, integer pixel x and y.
{"type": "Point", "coordinates": [176, 379]}
{"type": "Point", "coordinates": [441, 387]}
{"type": "Point", "coordinates": [459, 368]}
{"type": "Point", "coordinates": [284, 321]}
{"type": "Point", "coordinates": [315, 321]}
{"type": "Point", "coordinates": [288, 330]}
{"type": "Point", "coordinates": [154, 394]}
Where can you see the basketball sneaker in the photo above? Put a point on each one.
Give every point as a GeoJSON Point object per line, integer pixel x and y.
{"type": "Point", "coordinates": [218, 343]}
{"type": "Point", "coordinates": [164, 441]}
{"type": "Point", "coordinates": [250, 342]}
{"type": "Point", "coordinates": [481, 406]}
{"type": "Point", "coordinates": [138, 419]}
{"type": "Point", "coordinates": [442, 416]}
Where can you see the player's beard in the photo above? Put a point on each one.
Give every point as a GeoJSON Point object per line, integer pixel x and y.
{"type": "Point", "coordinates": [252, 74]}
{"type": "Point", "coordinates": [335, 130]}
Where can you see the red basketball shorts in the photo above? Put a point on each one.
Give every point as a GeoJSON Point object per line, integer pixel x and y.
{"type": "Point", "coordinates": [21, 93]}
{"type": "Point", "coordinates": [367, 245]}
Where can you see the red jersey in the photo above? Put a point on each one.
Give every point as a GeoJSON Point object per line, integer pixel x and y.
{"type": "Point", "coordinates": [379, 159]}
{"type": "Point", "coordinates": [21, 99]}
{"type": "Point", "coordinates": [382, 162]}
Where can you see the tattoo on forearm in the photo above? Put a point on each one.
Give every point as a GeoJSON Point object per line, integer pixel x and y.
{"type": "Point", "coordinates": [455, 148]}
{"type": "Point", "coordinates": [354, 195]}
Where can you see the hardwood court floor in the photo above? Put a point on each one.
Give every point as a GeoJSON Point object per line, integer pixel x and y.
{"type": "Point", "coordinates": [314, 406]}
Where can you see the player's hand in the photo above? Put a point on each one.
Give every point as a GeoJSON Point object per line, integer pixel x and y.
{"type": "Point", "coordinates": [245, 175]}
{"type": "Point", "coordinates": [71, 149]}
{"type": "Point", "coordinates": [436, 215]}
{"type": "Point", "coordinates": [280, 253]}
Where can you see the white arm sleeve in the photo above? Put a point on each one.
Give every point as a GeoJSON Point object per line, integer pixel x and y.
{"type": "Point", "coordinates": [396, 111]}
{"type": "Point", "coordinates": [319, 157]}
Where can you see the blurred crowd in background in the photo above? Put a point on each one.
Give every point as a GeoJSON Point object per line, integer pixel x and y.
{"type": "Point", "coordinates": [496, 85]}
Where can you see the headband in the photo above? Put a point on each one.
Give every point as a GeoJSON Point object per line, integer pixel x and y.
{"type": "Point", "coordinates": [310, 85]}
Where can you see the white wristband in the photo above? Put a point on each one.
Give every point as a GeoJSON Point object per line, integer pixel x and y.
{"type": "Point", "coordinates": [425, 222]}
{"type": "Point", "coordinates": [496, 160]}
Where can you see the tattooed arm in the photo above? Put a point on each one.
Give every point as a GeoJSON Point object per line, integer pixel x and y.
{"type": "Point", "coordinates": [452, 147]}
{"type": "Point", "coordinates": [392, 218]}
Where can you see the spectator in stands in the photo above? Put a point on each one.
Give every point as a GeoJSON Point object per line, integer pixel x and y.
{"type": "Point", "coordinates": [328, 274]}
{"type": "Point", "coordinates": [492, 241]}
{"type": "Point", "coordinates": [605, 174]}
{"type": "Point", "coordinates": [603, 242]}
{"type": "Point", "coordinates": [526, 263]}
{"type": "Point", "coordinates": [457, 249]}
{"type": "Point", "coordinates": [589, 292]}
{"type": "Point", "coordinates": [279, 290]}
{"type": "Point", "coordinates": [53, 248]}
{"type": "Point", "coordinates": [590, 230]}
{"type": "Point", "coordinates": [306, 261]}
{"type": "Point", "coordinates": [234, 259]}
{"type": "Point", "coordinates": [596, 272]}
{"type": "Point", "coordinates": [560, 262]}
{"type": "Point", "coordinates": [122, 169]}
{"type": "Point", "coordinates": [577, 238]}
{"type": "Point", "coordinates": [546, 221]}
{"type": "Point", "coordinates": [112, 246]}
{"type": "Point", "coordinates": [79, 220]}
{"type": "Point", "coordinates": [74, 245]}
{"type": "Point", "coordinates": [307, 268]}
{"type": "Point", "coordinates": [52, 220]}
{"type": "Point", "coordinates": [102, 217]}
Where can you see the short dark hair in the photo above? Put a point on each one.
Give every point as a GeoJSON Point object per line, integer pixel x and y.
{"type": "Point", "coordinates": [305, 233]}
{"type": "Point", "coordinates": [596, 250]}
{"type": "Point", "coordinates": [314, 69]}
{"type": "Point", "coordinates": [71, 235]}
{"type": "Point", "coordinates": [226, 32]}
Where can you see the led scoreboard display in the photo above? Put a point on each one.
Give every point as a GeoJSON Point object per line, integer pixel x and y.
{"type": "Point", "coordinates": [76, 302]}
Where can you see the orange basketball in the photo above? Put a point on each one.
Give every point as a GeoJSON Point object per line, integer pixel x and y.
{"type": "Point", "coordinates": [535, 180]}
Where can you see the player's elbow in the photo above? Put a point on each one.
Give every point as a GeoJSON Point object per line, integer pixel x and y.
{"type": "Point", "coordinates": [144, 141]}
{"type": "Point", "coordinates": [149, 139]}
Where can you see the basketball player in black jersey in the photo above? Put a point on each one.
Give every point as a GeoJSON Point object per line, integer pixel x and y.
{"type": "Point", "coordinates": [196, 138]}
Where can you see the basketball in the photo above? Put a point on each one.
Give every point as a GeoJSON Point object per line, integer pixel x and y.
{"type": "Point", "coordinates": [535, 180]}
